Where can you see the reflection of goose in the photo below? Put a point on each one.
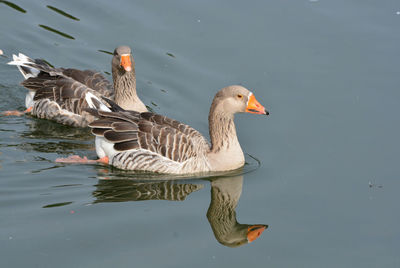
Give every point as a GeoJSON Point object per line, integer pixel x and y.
{"type": "Point", "coordinates": [59, 94]}
{"type": "Point", "coordinates": [225, 194]}
{"type": "Point", "coordinates": [129, 190]}
{"type": "Point", "coordinates": [45, 129]}
{"type": "Point", "coordinates": [221, 214]}
{"type": "Point", "coordinates": [150, 142]}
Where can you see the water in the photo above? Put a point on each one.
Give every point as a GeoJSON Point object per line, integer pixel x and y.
{"type": "Point", "coordinates": [328, 180]}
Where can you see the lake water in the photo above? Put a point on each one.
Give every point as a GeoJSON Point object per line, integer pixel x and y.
{"type": "Point", "coordinates": [328, 179]}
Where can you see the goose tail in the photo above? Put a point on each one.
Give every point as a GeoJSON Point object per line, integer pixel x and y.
{"type": "Point", "coordinates": [29, 67]}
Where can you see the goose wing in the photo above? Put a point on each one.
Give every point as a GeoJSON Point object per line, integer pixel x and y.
{"type": "Point", "coordinates": [129, 130]}
{"type": "Point", "coordinates": [187, 130]}
{"type": "Point", "coordinates": [91, 79]}
{"type": "Point", "coordinates": [68, 93]}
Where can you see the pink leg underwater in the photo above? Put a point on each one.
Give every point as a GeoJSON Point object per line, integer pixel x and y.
{"type": "Point", "coordinates": [16, 113]}
{"type": "Point", "coordinates": [79, 160]}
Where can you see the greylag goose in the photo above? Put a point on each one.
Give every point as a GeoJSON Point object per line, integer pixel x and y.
{"type": "Point", "coordinates": [58, 94]}
{"type": "Point", "coordinates": [225, 195]}
{"type": "Point", "coordinates": [150, 142]}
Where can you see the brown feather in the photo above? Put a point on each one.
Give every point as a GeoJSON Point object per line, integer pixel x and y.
{"type": "Point", "coordinates": [124, 126]}
{"type": "Point", "coordinates": [143, 140]}
{"type": "Point", "coordinates": [127, 145]}
{"type": "Point", "coordinates": [145, 126]}
{"type": "Point", "coordinates": [91, 79]}
{"type": "Point", "coordinates": [102, 123]}
{"type": "Point", "coordinates": [120, 136]}
{"type": "Point", "coordinates": [99, 131]}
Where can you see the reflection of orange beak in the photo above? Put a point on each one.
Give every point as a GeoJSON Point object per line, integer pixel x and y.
{"type": "Point", "coordinates": [254, 231]}
{"type": "Point", "coordinates": [126, 62]}
{"type": "Point", "coordinates": [254, 107]}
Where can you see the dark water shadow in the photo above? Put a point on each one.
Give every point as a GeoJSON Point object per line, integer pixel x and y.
{"type": "Point", "coordinates": [50, 29]}
{"type": "Point", "coordinates": [105, 52]}
{"type": "Point", "coordinates": [47, 129]}
{"type": "Point", "coordinates": [57, 205]}
{"type": "Point", "coordinates": [221, 213]}
{"type": "Point", "coordinates": [59, 147]}
{"type": "Point", "coordinates": [46, 136]}
{"type": "Point", "coordinates": [63, 13]}
{"type": "Point", "coordinates": [13, 6]}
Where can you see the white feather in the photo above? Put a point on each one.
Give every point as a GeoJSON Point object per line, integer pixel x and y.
{"type": "Point", "coordinates": [25, 61]}
{"type": "Point", "coordinates": [104, 147]}
{"type": "Point", "coordinates": [89, 96]}
{"type": "Point", "coordinates": [29, 102]}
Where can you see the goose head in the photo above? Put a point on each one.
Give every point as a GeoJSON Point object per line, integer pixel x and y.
{"type": "Point", "coordinates": [123, 60]}
{"type": "Point", "coordinates": [237, 99]}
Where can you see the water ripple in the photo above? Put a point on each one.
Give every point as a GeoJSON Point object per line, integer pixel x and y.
{"type": "Point", "coordinates": [56, 31]}
{"type": "Point", "coordinates": [14, 6]}
{"type": "Point", "coordinates": [63, 13]}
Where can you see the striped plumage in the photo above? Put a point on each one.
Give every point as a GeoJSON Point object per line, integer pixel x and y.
{"type": "Point", "coordinates": [59, 94]}
{"type": "Point", "coordinates": [151, 142]}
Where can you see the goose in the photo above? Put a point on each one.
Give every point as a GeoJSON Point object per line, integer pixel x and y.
{"type": "Point", "coordinates": [58, 94]}
{"type": "Point", "coordinates": [221, 214]}
{"type": "Point", "coordinates": [151, 142]}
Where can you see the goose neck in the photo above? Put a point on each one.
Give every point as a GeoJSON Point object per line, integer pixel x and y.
{"type": "Point", "coordinates": [125, 88]}
{"type": "Point", "coordinates": [222, 131]}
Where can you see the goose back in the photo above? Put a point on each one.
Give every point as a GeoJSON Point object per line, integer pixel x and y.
{"type": "Point", "coordinates": [62, 98]}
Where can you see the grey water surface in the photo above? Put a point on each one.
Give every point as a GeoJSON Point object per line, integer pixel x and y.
{"type": "Point", "coordinates": [328, 178]}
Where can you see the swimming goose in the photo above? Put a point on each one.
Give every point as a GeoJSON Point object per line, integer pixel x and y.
{"type": "Point", "coordinates": [59, 94]}
{"type": "Point", "coordinates": [150, 142]}
{"type": "Point", "coordinates": [221, 214]}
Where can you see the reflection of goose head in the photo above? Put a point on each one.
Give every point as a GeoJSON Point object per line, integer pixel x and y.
{"type": "Point", "coordinates": [225, 194]}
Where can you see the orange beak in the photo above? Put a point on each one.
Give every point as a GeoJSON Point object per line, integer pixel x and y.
{"type": "Point", "coordinates": [126, 62]}
{"type": "Point", "coordinates": [254, 107]}
{"type": "Point", "coordinates": [254, 231]}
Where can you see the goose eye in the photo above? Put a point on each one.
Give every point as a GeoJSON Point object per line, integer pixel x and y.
{"type": "Point", "coordinates": [240, 96]}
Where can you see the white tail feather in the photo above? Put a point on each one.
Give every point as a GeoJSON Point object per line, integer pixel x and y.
{"type": "Point", "coordinates": [21, 59]}
{"type": "Point", "coordinates": [24, 61]}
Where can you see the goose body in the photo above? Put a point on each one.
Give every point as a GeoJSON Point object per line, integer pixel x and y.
{"type": "Point", "coordinates": [58, 94]}
{"type": "Point", "coordinates": [150, 142]}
